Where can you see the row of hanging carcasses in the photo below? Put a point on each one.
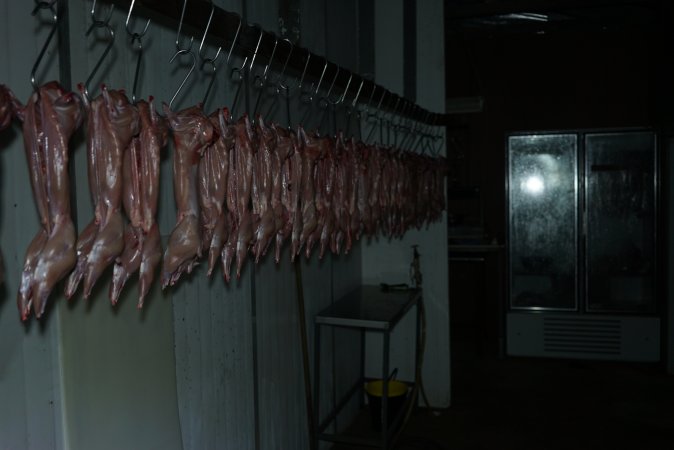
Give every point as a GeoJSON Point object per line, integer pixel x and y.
{"type": "Point", "coordinates": [240, 189]}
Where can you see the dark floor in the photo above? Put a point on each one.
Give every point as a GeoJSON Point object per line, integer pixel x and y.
{"type": "Point", "coordinates": [522, 404]}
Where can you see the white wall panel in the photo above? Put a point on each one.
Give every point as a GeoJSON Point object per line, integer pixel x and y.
{"type": "Point", "coordinates": [433, 240]}
{"type": "Point", "coordinates": [282, 407]}
{"type": "Point", "coordinates": [201, 338]}
{"type": "Point", "coordinates": [118, 362]}
{"type": "Point", "coordinates": [214, 362]}
{"type": "Point", "coordinates": [282, 404]}
{"type": "Point", "coordinates": [345, 354]}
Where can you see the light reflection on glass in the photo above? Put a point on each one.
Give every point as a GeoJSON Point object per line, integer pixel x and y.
{"type": "Point", "coordinates": [534, 185]}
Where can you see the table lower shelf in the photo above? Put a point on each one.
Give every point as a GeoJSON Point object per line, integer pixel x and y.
{"type": "Point", "coordinates": [361, 432]}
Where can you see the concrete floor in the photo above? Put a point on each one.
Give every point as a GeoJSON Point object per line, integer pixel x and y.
{"type": "Point", "coordinates": [523, 404]}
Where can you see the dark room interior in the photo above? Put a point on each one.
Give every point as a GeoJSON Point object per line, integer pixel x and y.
{"type": "Point", "coordinates": [394, 224]}
{"type": "Point", "coordinates": [538, 68]}
{"type": "Point", "coordinates": [547, 67]}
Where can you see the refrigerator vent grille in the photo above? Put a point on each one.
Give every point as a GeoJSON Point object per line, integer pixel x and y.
{"type": "Point", "coordinates": [576, 335]}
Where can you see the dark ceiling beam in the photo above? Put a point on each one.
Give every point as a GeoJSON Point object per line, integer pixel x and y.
{"type": "Point", "coordinates": [495, 8]}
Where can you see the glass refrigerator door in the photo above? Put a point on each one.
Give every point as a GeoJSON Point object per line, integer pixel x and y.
{"type": "Point", "coordinates": [543, 221]}
{"type": "Point", "coordinates": [620, 217]}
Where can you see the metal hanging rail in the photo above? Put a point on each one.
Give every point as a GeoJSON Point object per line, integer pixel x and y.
{"type": "Point", "coordinates": [223, 30]}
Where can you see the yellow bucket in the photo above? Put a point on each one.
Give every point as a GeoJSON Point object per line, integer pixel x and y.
{"type": "Point", "coordinates": [397, 393]}
{"type": "Point", "coordinates": [395, 388]}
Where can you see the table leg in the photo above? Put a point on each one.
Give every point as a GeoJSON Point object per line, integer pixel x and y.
{"type": "Point", "coordinates": [317, 384]}
{"type": "Point", "coordinates": [384, 396]}
{"type": "Point", "coordinates": [417, 362]}
{"type": "Point", "coordinates": [362, 366]}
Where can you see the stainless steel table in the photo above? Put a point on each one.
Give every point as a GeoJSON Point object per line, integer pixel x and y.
{"type": "Point", "coordinates": [367, 308]}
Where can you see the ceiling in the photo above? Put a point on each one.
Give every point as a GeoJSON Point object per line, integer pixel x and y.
{"type": "Point", "coordinates": [488, 18]}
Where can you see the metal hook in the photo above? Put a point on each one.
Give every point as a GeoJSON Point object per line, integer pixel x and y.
{"type": "Point", "coordinates": [384, 94]}
{"type": "Point", "coordinates": [377, 117]}
{"type": "Point", "coordinates": [408, 131]}
{"type": "Point", "coordinates": [203, 39]}
{"type": "Point", "coordinates": [271, 60]}
{"type": "Point", "coordinates": [136, 37]}
{"type": "Point", "coordinates": [194, 63]}
{"type": "Point", "coordinates": [355, 100]}
{"type": "Point", "coordinates": [281, 78]}
{"type": "Point", "coordinates": [98, 23]}
{"type": "Point", "coordinates": [346, 89]}
{"type": "Point", "coordinates": [236, 38]}
{"type": "Point", "coordinates": [183, 51]}
{"type": "Point", "coordinates": [180, 27]}
{"type": "Point", "coordinates": [135, 34]}
{"type": "Point", "coordinates": [309, 95]}
{"type": "Point", "coordinates": [425, 137]}
{"type": "Point", "coordinates": [304, 71]}
{"type": "Point", "coordinates": [320, 80]}
{"type": "Point", "coordinates": [389, 120]}
{"type": "Point", "coordinates": [414, 146]}
{"type": "Point", "coordinates": [239, 71]}
{"type": "Point", "coordinates": [353, 106]}
{"type": "Point", "coordinates": [305, 94]}
{"type": "Point", "coordinates": [257, 47]}
{"type": "Point", "coordinates": [43, 5]}
{"type": "Point", "coordinates": [424, 145]}
{"type": "Point", "coordinates": [438, 137]}
{"type": "Point", "coordinates": [325, 100]}
{"type": "Point", "coordinates": [410, 124]}
{"type": "Point", "coordinates": [397, 125]}
{"type": "Point", "coordinates": [262, 81]}
{"type": "Point", "coordinates": [441, 141]}
{"type": "Point", "coordinates": [369, 102]}
{"type": "Point", "coordinates": [420, 141]}
{"type": "Point", "coordinates": [421, 132]}
{"type": "Point", "coordinates": [374, 89]}
{"type": "Point", "coordinates": [430, 145]}
{"type": "Point", "coordinates": [339, 101]}
{"type": "Point", "coordinates": [208, 60]}
{"type": "Point", "coordinates": [372, 129]}
{"type": "Point", "coordinates": [281, 84]}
